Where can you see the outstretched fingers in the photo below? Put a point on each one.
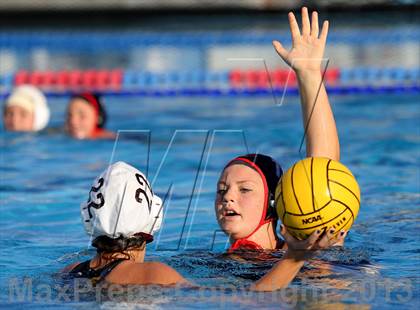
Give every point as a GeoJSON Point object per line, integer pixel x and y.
{"type": "Point", "coordinates": [314, 25]}
{"type": "Point", "coordinates": [310, 26]}
{"type": "Point", "coordinates": [324, 31]}
{"type": "Point", "coordinates": [306, 26]}
{"type": "Point", "coordinates": [280, 50]}
{"type": "Point", "coordinates": [294, 27]}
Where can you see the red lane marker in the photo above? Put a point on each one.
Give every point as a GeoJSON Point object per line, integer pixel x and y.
{"type": "Point", "coordinates": [115, 79]}
{"type": "Point", "coordinates": [21, 78]}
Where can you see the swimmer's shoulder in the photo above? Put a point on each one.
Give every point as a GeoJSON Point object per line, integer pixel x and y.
{"type": "Point", "coordinates": [129, 272]}
{"type": "Point", "coordinates": [69, 268]}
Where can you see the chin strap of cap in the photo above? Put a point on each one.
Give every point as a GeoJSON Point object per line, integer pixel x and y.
{"type": "Point", "coordinates": [244, 244]}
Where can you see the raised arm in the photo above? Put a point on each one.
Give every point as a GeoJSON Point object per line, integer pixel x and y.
{"type": "Point", "coordinates": [306, 59]}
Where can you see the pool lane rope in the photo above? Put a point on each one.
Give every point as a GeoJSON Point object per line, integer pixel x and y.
{"type": "Point", "coordinates": [200, 83]}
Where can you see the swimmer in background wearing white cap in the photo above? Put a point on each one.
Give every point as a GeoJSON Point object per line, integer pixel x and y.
{"type": "Point", "coordinates": [26, 110]}
{"type": "Point", "coordinates": [122, 214]}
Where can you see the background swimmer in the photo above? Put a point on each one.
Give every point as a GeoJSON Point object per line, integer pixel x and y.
{"type": "Point", "coordinates": [86, 118]}
{"type": "Point", "coordinates": [245, 192]}
{"type": "Point", "coordinates": [26, 109]}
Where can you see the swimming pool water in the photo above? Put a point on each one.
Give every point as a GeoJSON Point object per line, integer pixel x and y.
{"type": "Point", "coordinates": [45, 177]}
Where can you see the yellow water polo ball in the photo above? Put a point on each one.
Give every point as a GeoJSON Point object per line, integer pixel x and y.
{"type": "Point", "coordinates": [317, 193]}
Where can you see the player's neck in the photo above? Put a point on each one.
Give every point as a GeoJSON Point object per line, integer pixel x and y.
{"type": "Point", "coordinates": [265, 236]}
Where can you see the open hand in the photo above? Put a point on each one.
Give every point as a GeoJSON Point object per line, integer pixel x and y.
{"type": "Point", "coordinates": [314, 241]}
{"type": "Point", "coordinates": [307, 47]}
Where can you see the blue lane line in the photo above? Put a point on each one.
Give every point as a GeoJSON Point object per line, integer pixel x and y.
{"type": "Point", "coordinates": [261, 92]}
{"type": "Point", "coordinates": [100, 40]}
{"type": "Point", "coordinates": [201, 83]}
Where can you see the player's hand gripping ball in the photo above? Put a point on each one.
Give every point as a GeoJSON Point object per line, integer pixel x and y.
{"type": "Point", "coordinates": [317, 193]}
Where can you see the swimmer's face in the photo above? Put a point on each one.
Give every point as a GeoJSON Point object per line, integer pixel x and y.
{"type": "Point", "coordinates": [16, 118]}
{"type": "Point", "coordinates": [81, 119]}
{"type": "Point", "coordinates": [239, 200]}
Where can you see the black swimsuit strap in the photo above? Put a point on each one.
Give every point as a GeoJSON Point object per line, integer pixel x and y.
{"type": "Point", "coordinates": [83, 270]}
{"type": "Point", "coordinates": [104, 271]}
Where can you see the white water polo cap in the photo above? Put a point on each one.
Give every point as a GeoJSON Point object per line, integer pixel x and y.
{"type": "Point", "coordinates": [121, 203]}
{"type": "Point", "coordinates": [33, 100]}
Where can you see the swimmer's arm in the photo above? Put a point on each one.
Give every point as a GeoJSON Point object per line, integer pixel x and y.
{"type": "Point", "coordinates": [282, 273]}
{"type": "Point", "coordinates": [297, 253]}
{"type": "Point", "coordinates": [305, 58]}
{"type": "Point", "coordinates": [322, 137]}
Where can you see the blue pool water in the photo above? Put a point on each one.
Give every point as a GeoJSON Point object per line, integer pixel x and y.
{"type": "Point", "coordinates": [45, 177]}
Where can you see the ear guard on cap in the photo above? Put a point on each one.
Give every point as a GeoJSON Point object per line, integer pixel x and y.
{"type": "Point", "coordinates": [156, 214]}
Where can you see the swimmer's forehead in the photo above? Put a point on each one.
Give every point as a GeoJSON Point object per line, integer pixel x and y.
{"type": "Point", "coordinates": [16, 108]}
{"type": "Point", "coordinates": [239, 173]}
{"type": "Point", "coordinates": [222, 182]}
{"type": "Point", "coordinates": [80, 102]}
